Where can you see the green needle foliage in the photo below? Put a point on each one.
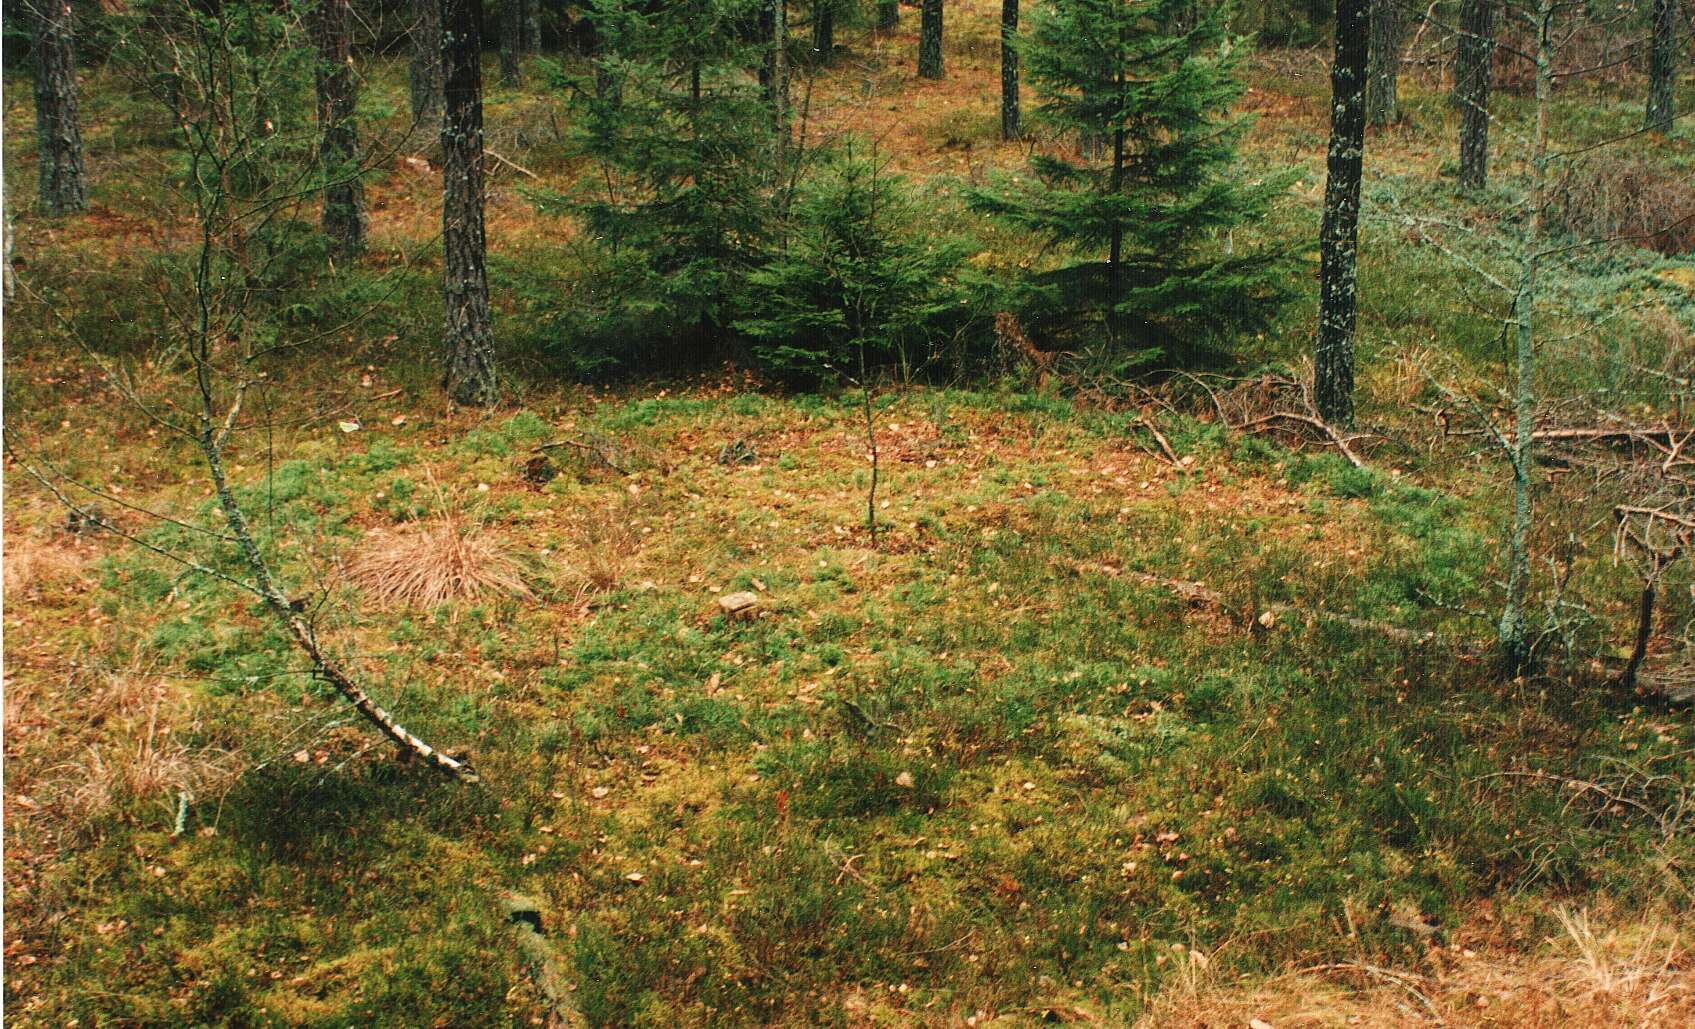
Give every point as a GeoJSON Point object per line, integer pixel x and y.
{"type": "Point", "coordinates": [856, 284]}
{"type": "Point", "coordinates": [675, 120]}
{"type": "Point", "coordinates": [1146, 87]}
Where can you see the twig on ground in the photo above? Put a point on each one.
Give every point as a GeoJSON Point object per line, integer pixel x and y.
{"type": "Point", "coordinates": [593, 449]}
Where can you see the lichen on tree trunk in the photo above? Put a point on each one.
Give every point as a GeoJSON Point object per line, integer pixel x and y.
{"type": "Point", "coordinates": [1514, 626]}
{"type": "Point", "coordinates": [532, 27]}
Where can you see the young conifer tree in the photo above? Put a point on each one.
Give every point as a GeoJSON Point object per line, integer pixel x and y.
{"type": "Point", "coordinates": [862, 281]}
{"type": "Point", "coordinates": [1154, 80]}
{"type": "Point", "coordinates": [683, 135]}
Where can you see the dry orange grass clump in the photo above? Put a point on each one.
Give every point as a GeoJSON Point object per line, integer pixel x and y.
{"type": "Point", "coordinates": [1623, 973]}
{"type": "Point", "coordinates": [33, 561]}
{"type": "Point", "coordinates": [429, 562]}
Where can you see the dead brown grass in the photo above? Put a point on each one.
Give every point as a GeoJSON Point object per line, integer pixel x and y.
{"type": "Point", "coordinates": [442, 558]}
{"type": "Point", "coordinates": [1631, 201]}
{"type": "Point", "coordinates": [34, 561]}
{"type": "Point", "coordinates": [606, 543]}
{"type": "Point", "coordinates": [133, 754]}
{"type": "Point", "coordinates": [1600, 971]}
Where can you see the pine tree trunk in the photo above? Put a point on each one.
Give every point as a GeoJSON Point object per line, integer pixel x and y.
{"type": "Point", "coordinates": [426, 62]}
{"type": "Point", "coordinates": [1662, 66]}
{"type": "Point", "coordinates": [338, 148]}
{"type": "Point", "coordinates": [823, 31]}
{"type": "Point", "coordinates": [888, 14]}
{"type": "Point", "coordinates": [1115, 251]}
{"type": "Point", "coordinates": [1333, 379]}
{"type": "Point", "coordinates": [1010, 127]}
{"type": "Point", "coordinates": [58, 127]}
{"type": "Point", "coordinates": [532, 26]}
{"type": "Point", "coordinates": [1471, 89]}
{"type": "Point", "coordinates": [930, 40]}
{"type": "Point", "coordinates": [511, 42]}
{"type": "Point", "coordinates": [774, 71]}
{"type": "Point", "coordinates": [469, 374]}
{"type": "Point", "coordinates": [1382, 105]}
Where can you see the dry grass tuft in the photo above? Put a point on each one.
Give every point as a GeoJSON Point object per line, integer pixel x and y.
{"type": "Point", "coordinates": [1622, 973]}
{"type": "Point", "coordinates": [135, 758]}
{"type": "Point", "coordinates": [606, 542]}
{"type": "Point", "coordinates": [1629, 200]}
{"type": "Point", "coordinates": [32, 561]}
{"type": "Point", "coordinates": [446, 557]}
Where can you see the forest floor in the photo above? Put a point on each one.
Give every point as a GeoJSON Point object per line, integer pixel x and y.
{"type": "Point", "coordinates": [1084, 735]}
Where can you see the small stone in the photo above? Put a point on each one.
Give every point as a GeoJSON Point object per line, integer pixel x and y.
{"type": "Point", "coordinates": [904, 780]}
{"type": "Point", "coordinates": [739, 604]}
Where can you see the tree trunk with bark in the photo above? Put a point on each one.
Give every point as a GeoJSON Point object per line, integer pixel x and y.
{"type": "Point", "coordinates": [1514, 627]}
{"type": "Point", "coordinates": [823, 31]}
{"type": "Point", "coordinates": [1011, 127]}
{"type": "Point", "coordinates": [511, 42]}
{"type": "Point", "coordinates": [930, 40]}
{"type": "Point", "coordinates": [426, 62]}
{"type": "Point", "coordinates": [1662, 67]}
{"type": "Point", "coordinates": [58, 125]}
{"type": "Point", "coordinates": [1471, 89]}
{"type": "Point", "coordinates": [1333, 360]}
{"type": "Point", "coordinates": [470, 376]}
{"type": "Point", "coordinates": [532, 26]}
{"type": "Point", "coordinates": [774, 71]}
{"type": "Point", "coordinates": [338, 147]}
{"type": "Point", "coordinates": [1382, 104]}
{"type": "Point", "coordinates": [888, 14]}
{"type": "Point", "coordinates": [1115, 249]}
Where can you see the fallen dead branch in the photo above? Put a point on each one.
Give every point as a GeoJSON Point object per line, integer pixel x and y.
{"type": "Point", "coordinates": [1669, 677]}
{"type": "Point", "coordinates": [594, 450]}
{"type": "Point", "coordinates": [1159, 437]}
{"type": "Point", "coordinates": [1668, 439]}
{"type": "Point", "coordinates": [1336, 438]}
{"type": "Point", "coordinates": [263, 585]}
{"type": "Point", "coordinates": [1650, 540]}
{"type": "Point", "coordinates": [547, 969]}
{"type": "Point", "coordinates": [1277, 403]}
{"type": "Point", "coordinates": [1407, 981]}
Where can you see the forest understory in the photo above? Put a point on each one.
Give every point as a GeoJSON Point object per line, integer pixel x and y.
{"type": "Point", "coordinates": [1022, 689]}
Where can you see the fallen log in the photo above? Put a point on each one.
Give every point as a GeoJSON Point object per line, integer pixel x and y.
{"type": "Point", "coordinates": [524, 915]}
